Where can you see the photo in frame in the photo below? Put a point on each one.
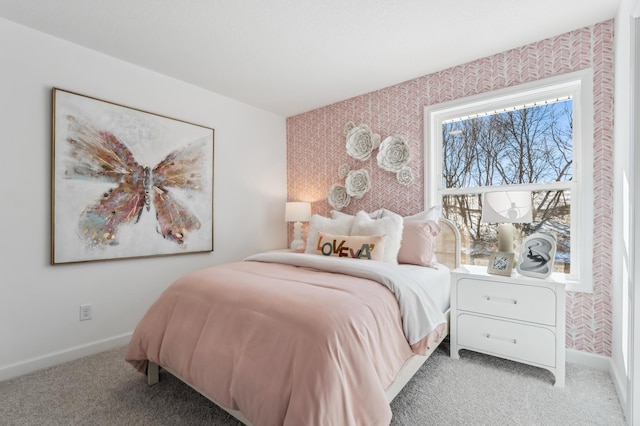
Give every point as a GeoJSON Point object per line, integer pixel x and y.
{"type": "Point", "coordinates": [537, 256]}
{"type": "Point", "coordinates": [127, 183]}
{"type": "Point", "coordinates": [500, 263]}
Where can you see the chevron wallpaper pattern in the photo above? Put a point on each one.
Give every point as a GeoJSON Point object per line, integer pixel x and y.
{"type": "Point", "coordinates": [316, 148]}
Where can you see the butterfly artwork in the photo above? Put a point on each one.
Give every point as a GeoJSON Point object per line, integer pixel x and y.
{"type": "Point", "coordinates": [126, 207]}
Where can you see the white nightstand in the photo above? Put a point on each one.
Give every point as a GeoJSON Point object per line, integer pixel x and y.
{"type": "Point", "coordinates": [517, 318]}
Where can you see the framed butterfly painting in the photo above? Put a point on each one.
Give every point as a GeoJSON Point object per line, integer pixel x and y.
{"type": "Point", "coordinates": [127, 183]}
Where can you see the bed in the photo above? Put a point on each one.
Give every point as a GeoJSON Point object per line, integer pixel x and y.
{"type": "Point", "coordinates": [292, 339]}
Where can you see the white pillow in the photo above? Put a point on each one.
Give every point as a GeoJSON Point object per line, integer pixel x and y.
{"type": "Point", "coordinates": [335, 214]}
{"type": "Point", "coordinates": [391, 225]}
{"type": "Point", "coordinates": [432, 213]}
{"type": "Point", "coordinates": [340, 226]}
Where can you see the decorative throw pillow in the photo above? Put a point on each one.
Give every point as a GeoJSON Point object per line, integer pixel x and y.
{"type": "Point", "coordinates": [353, 246]}
{"type": "Point", "coordinates": [418, 242]}
{"type": "Point", "coordinates": [340, 226]}
{"type": "Point", "coordinates": [432, 213]}
{"type": "Point", "coordinates": [391, 226]}
{"type": "Point", "coordinates": [335, 214]}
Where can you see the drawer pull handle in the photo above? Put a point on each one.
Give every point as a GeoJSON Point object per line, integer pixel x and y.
{"type": "Point", "coordinates": [500, 299]}
{"type": "Point", "coordinates": [504, 339]}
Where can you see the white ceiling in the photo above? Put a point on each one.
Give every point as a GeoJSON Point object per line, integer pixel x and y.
{"type": "Point", "coordinates": [291, 56]}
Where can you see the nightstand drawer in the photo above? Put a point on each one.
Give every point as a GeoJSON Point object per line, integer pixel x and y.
{"type": "Point", "coordinates": [511, 340]}
{"type": "Point", "coordinates": [520, 302]}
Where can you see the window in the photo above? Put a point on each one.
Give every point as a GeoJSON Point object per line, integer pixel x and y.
{"type": "Point", "coordinates": [536, 137]}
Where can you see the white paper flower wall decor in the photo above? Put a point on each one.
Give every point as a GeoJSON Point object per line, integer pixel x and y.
{"type": "Point", "coordinates": [405, 176]}
{"type": "Point", "coordinates": [357, 183]}
{"type": "Point", "coordinates": [393, 156]}
{"type": "Point", "coordinates": [348, 127]}
{"type": "Point", "coordinates": [343, 171]}
{"type": "Point", "coordinates": [361, 141]}
{"type": "Point", "coordinates": [338, 197]}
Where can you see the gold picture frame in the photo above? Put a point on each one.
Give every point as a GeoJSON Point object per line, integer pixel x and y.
{"type": "Point", "coordinates": [500, 263]}
{"type": "Point", "coordinates": [127, 183]}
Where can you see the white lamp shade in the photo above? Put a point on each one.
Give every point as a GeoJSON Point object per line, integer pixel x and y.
{"type": "Point", "coordinates": [507, 207]}
{"type": "Point", "coordinates": [297, 211]}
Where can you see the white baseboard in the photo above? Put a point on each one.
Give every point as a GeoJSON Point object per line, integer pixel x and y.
{"type": "Point", "coordinates": [620, 384]}
{"type": "Point", "coordinates": [34, 364]}
{"type": "Point", "coordinates": [597, 362]}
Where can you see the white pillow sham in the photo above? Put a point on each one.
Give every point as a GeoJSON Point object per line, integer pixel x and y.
{"type": "Point", "coordinates": [335, 214]}
{"type": "Point", "coordinates": [391, 225]}
{"type": "Point", "coordinates": [340, 226]}
{"type": "Point", "coordinates": [432, 213]}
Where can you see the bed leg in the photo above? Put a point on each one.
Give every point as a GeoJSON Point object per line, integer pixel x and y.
{"type": "Point", "coordinates": [153, 376]}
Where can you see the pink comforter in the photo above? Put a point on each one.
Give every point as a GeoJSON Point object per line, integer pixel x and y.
{"type": "Point", "coordinates": [283, 344]}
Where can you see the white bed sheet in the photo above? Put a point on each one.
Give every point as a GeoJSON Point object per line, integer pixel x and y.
{"type": "Point", "coordinates": [438, 282]}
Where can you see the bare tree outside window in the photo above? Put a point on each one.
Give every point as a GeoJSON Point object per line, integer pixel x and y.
{"type": "Point", "coordinates": [530, 146]}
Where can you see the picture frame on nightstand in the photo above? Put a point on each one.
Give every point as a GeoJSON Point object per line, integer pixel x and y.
{"type": "Point", "coordinates": [500, 263]}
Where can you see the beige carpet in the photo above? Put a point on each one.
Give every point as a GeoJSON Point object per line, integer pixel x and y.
{"type": "Point", "coordinates": [476, 390]}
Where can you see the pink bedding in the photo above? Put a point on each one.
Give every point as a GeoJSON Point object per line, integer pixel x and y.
{"type": "Point", "coordinates": [285, 345]}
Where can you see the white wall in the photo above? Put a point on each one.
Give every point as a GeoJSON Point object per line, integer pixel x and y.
{"type": "Point", "coordinates": [39, 303]}
{"type": "Point", "coordinates": [623, 210]}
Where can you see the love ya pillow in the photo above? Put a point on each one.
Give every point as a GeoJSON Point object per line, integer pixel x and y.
{"type": "Point", "coordinates": [353, 246]}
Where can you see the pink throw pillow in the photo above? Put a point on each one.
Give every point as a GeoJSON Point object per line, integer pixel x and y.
{"type": "Point", "coordinates": [418, 242]}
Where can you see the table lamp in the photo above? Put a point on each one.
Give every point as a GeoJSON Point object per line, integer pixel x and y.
{"type": "Point", "coordinates": [505, 208]}
{"type": "Point", "coordinates": [298, 212]}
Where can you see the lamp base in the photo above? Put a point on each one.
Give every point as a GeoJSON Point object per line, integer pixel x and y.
{"type": "Point", "coordinates": [297, 245]}
{"type": "Point", "coordinates": [506, 240]}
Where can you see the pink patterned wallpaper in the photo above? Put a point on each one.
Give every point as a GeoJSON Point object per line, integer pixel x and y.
{"type": "Point", "coordinates": [316, 148]}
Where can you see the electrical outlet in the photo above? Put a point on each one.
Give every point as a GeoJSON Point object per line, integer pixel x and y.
{"type": "Point", "coordinates": [85, 312]}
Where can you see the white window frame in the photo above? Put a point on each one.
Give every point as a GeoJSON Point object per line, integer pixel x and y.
{"type": "Point", "coordinates": [578, 85]}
